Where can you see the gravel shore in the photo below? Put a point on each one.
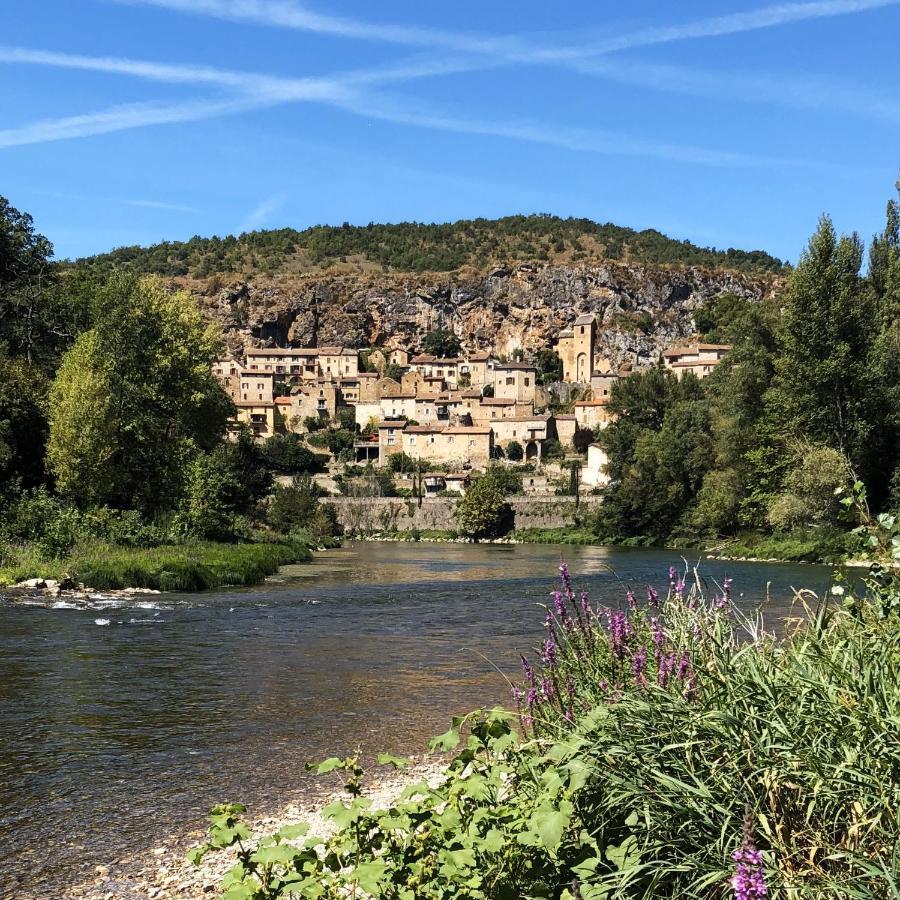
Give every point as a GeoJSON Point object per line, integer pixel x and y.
{"type": "Point", "coordinates": [162, 872]}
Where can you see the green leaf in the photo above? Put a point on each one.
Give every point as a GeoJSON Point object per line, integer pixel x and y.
{"type": "Point", "coordinates": [197, 853]}
{"type": "Point", "coordinates": [326, 766]}
{"type": "Point", "coordinates": [398, 762]}
{"type": "Point", "coordinates": [291, 832]}
{"type": "Point", "coordinates": [587, 868]}
{"type": "Point", "coordinates": [368, 876]}
{"type": "Point", "coordinates": [446, 741]}
{"type": "Point", "coordinates": [279, 853]}
{"type": "Point", "coordinates": [493, 841]}
{"type": "Point", "coordinates": [626, 855]}
{"type": "Point", "coordinates": [550, 824]}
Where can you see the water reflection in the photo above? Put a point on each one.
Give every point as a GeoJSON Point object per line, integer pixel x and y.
{"type": "Point", "coordinates": [132, 730]}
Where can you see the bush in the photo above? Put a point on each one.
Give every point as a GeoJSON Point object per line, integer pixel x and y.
{"type": "Point", "coordinates": [285, 454]}
{"type": "Point", "coordinates": [675, 751]}
{"type": "Point", "coordinates": [484, 512]}
{"type": "Point", "coordinates": [514, 451]}
{"type": "Point", "coordinates": [508, 480]}
{"type": "Point", "coordinates": [294, 506]}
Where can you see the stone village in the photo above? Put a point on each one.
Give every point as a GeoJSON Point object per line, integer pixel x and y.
{"type": "Point", "coordinates": [455, 415]}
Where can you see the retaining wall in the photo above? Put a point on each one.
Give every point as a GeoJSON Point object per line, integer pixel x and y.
{"type": "Point", "coordinates": [369, 515]}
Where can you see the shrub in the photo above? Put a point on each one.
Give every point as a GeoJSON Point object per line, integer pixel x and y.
{"type": "Point", "coordinates": [514, 451]}
{"type": "Point", "coordinates": [671, 751]}
{"type": "Point", "coordinates": [286, 454]}
{"type": "Point", "coordinates": [293, 506]}
{"type": "Point", "coordinates": [484, 512]}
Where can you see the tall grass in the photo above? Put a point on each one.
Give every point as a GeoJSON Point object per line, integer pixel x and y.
{"type": "Point", "coordinates": [188, 567]}
{"type": "Point", "coordinates": [667, 748]}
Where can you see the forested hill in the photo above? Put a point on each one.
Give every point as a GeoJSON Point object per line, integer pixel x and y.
{"type": "Point", "coordinates": [416, 247]}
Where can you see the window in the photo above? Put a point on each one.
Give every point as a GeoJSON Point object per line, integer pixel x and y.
{"type": "Point", "coordinates": [450, 439]}
{"type": "Point", "coordinates": [412, 441]}
{"type": "Point", "coordinates": [582, 329]}
{"type": "Point", "coordinates": [431, 439]}
{"type": "Point", "coordinates": [391, 440]}
{"type": "Point", "coordinates": [510, 380]}
{"type": "Point", "coordinates": [472, 443]}
{"type": "Point", "coordinates": [527, 382]}
{"type": "Point", "coordinates": [244, 385]}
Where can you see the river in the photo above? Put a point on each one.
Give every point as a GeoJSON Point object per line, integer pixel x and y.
{"type": "Point", "coordinates": [122, 724]}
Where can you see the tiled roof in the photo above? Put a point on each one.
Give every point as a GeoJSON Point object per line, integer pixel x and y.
{"type": "Point", "coordinates": [602, 401]}
{"type": "Point", "coordinates": [586, 319]}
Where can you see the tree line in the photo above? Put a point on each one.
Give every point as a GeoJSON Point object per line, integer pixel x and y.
{"type": "Point", "coordinates": [804, 411]}
{"type": "Point", "coordinates": [419, 247]}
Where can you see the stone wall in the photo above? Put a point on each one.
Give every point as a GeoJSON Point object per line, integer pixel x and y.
{"type": "Point", "coordinates": [369, 515]}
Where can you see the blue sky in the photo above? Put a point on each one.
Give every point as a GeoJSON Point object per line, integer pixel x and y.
{"type": "Point", "coordinates": [727, 123]}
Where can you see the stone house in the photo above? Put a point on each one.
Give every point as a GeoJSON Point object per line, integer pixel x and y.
{"type": "Point", "coordinates": [566, 426]}
{"type": "Point", "coordinates": [700, 359]}
{"type": "Point", "coordinates": [593, 473]}
{"type": "Point", "coordinates": [601, 384]}
{"type": "Point", "coordinates": [460, 445]}
{"type": "Point", "coordinates": [592, 414]}
{"type": "Point", "coordinates": [256, 387]}
{"type": "Point", "coordinates": [315, 400]}
{"type": "Point", "coordinates": [529, 431]}
{"type": "Point", "coordinates": [516, 381]}
{"type": "Point", "coordinates": [258, 416]}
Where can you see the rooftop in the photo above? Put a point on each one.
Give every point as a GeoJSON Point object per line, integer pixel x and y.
{"type": "Point", "coordinates": [602, 401]}
{"type": "Point", "coordinates": [587, 319]}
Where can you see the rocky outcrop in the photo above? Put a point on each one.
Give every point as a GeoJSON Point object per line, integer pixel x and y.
{"type": "Point", "coordinates": [641, 309]}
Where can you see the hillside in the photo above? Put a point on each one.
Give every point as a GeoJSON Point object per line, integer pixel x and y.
{"type": "Point", "coordinates": [479, 244]}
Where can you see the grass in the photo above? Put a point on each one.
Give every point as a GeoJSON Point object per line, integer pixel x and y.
{"type": "Point", "coordinates": [824, 546]}
{"type": "Point", "coordinates": [569, 534]}
{"type": "Point", "coordinates": [669, 748]}
{"type": "Point", "coordinates": [189, 567]}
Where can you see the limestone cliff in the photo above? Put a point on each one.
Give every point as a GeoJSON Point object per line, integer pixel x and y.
{"type": "Point", "coordinates": [640, 309]}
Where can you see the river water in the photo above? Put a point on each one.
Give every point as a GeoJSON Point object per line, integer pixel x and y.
{"type": "Point", "coordinates": [120, 725]}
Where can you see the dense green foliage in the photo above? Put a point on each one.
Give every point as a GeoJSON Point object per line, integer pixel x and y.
{"type": "Point", "coordinates": [442, 343]}
{"type": "Point", "coordinates": [112, 431]}
{"type": "Point", "coordinates": [675, 750]}
{"type": "Point", "coordinates": [484, 511]}
{"type": "Point", "coordinates": [418, 247]}
{"type": "Point", "coordinates": [804, 405]}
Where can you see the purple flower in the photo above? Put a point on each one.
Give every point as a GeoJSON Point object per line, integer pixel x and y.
{"type": "Point", "coordinates": [560, 608]}
{"type": "Point", "coordinates": [673, 573]}
{"type": "Point", "coordinates": [666, 667]}
{"type": "Point", "coordinates": [548, 653]}
{"type": "Point", "coordinates": [564, 574]}
{"type": "Point", "coordinates": [652, 596]}
{"type": "Point", "coordinates": [629, 596]}
{"type": "Point", "coordinates": [570, 715]}
{"type": "Point", "coordinates": [570, 688]}
{"type": "Point", "coordinates": [726, 585]}
{"type": "Point", "coordinates": [679, 587]}
{"type": "Point", "coordinates": [528, 671]}
{"type": "Point", "coordinates": [618, 632]}
{"type": "Point", "coordinates": [532, 697]}
{"type": "Point", "coordinates": [547, 688]}
{"type": "Point", "coordinates": [749, 880]}
{"type": "Point", "coordinates": [684, 665]}
{"type": "Point", "coordinates": [659, 636]}
{"type": "Point", "coordinates": [517, 695]}
{"type": "Point", "coordinates": [638, 666]}
{"type": "Point", "coordinates": [585, 605]}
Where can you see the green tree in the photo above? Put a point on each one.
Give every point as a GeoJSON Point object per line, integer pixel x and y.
{"type": "Point", "coordinates": [23, 426]}
{"type": "Point", "coordinates": [514, 451]}
{"type": "Point", "coordinates": [286, 454]}
{"type": "Point", "coordinates": [824, 388]}
{"type": "Point", "coordinates": [550, 366]}
{"type": "Point", "coordinates": [135, 399]}
{"type": "Point", "coordinates": [442, 343]}
{"type": "Point", "coordinates": [294, 506]}
{"type": "Point", "coordinates": [484, 511]}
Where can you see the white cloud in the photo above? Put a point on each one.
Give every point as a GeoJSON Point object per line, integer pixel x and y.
{"type": "Point", "coordinates": [261, 213]}
{"type": "Point", "coordinates": [292, 15]}
{"type": "Point", "coordinates": [118, 118]}
{"type": "Point", "coordinates": [570, 138]}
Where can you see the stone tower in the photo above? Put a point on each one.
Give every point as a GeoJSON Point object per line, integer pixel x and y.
{"type": "Point", "coordinates": [583, 334]}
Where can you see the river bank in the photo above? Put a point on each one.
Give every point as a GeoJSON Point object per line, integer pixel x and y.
{"type": "Point", "coordinates": [195, 566]}
{"type": "Point", "coordinates": [133, 728]}
{"type": "Point", "coordinates": [163, 871]}
{"type": "Point", "coordinates": [832, 549]}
